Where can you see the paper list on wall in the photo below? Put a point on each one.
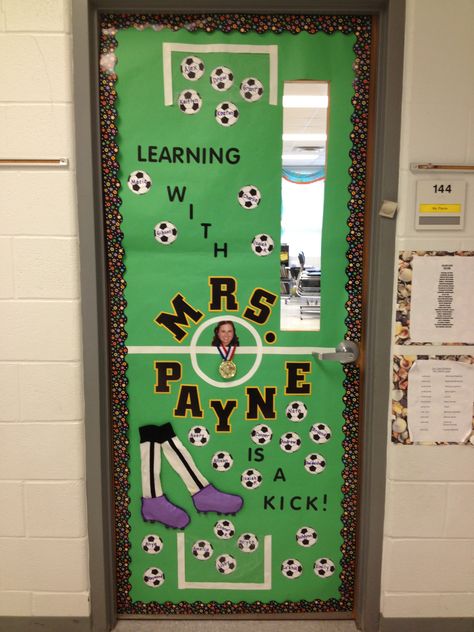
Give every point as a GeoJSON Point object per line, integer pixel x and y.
{"type": "Point", "coordinates": [442, 303]}
{"type": "Point", "coordinates": [440, 401]}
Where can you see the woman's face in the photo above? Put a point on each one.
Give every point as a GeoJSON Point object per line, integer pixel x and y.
{"type": "Point", "coordinates": [225, 333]}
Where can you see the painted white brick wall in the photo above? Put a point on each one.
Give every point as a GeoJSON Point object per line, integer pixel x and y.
{"type": "Point", "coordinates": [42, 494]}
{"type": "Point", "coordinates": [428, 566]}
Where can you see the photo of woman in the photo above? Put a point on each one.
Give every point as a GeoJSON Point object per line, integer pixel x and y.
{"type": "Point", "coordinates": [224, 334]}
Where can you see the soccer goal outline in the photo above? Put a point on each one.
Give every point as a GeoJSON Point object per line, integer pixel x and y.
{"type": "Point", "coordinates": [267, 571]}
{"type": "Point", "coordinates": [169, 48]}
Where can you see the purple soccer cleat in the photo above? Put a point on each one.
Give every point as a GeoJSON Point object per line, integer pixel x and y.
{"type": "Point", "coordinates": [211, 499]}
{"type": "Point", "coordinates": [160, 509]}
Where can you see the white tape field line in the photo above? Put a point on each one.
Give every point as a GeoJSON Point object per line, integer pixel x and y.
{"type": "Point", "coordinates": [137, 350]}
{"type": "Point", "coordinates": [219, 584]}
{"type": "Point", "coordinates": [271, 51]}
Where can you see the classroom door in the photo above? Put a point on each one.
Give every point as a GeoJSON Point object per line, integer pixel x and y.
{"type": "Point", "coordinates": [235, 427]}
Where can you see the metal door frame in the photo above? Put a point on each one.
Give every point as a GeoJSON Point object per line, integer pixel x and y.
{"type": "Point", "coordinates": [379, 295]}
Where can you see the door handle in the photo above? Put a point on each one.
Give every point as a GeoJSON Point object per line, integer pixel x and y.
{"type": "Point", "coordinates": [346, 352]}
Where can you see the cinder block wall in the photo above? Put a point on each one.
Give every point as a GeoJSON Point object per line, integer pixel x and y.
{"type": "Point", "coordinates": [429, 527]}
{"type": "Point", "coordinates": [43, 537]}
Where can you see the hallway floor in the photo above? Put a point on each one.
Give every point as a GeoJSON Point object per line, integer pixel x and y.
{"type": "Point", "coordinates": [234, 626]}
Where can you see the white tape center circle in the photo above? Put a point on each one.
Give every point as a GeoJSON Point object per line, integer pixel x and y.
{"type": "Point", "coordinates": [194, 350]}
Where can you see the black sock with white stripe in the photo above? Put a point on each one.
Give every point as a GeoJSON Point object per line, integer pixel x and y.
{"type": "Point", "coordinates": [150, 453]}
{"type": "Point", "coordinates": [176, 454]}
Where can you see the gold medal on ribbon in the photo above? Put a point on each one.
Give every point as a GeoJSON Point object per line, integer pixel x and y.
{"type": "Point", "coordinates": [227, 369]}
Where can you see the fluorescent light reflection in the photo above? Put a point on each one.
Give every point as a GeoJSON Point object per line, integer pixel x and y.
{"type": "Point", "coordinates": [303, 137]}
{"type": "Point", "coordinates": [304, 101]}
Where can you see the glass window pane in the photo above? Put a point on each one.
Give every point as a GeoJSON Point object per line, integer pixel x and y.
{"type": "Point", "coordinates": [305, 115]}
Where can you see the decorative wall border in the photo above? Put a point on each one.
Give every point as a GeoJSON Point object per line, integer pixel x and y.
{"type": "Point", "coordinates": [360, 26]}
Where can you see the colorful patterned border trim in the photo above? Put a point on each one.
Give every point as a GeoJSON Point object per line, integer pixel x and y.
{"type": "Point", "coordinates": [360, 26]}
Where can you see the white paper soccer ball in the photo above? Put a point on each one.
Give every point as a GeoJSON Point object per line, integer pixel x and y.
{"type": "Point", "coordinates": [139, 182]}
{"type": "Point", "coordinates": [306, 536]}
{"type": "Point", "coordinates": [262, 245]}
{"type": "Point", "coordinates": [296, 411]}
{"type": "Point", "coordinates": [221, 78]}
{"type": "Point", "coordinates": [251, 479]}
{"type": "Point", "coordinates": [198, 436]}
{"type": "Point", "coordinates": [248, 542]}
{"type": "Point", "coordinates": [165, 233]}
{"type": "Point", "coordinates": [290, 442]}
{"type": "Point", "coordinates": [152, 544]}
{"type": "Point", "coordinates": [189, 102]}
{"type": "Point", "coordinates": [154, 577]}
{"type": "Point", "coordinates": [222, 461]}
{"type": "Point", "coordinates": [202, 550]}
{"type": "Point", "coordinates": [251, 89]}
{"type": "Point", "coordinates": [224, 529]}
{"type": "Point", "coordinates": [226, 564]}
{"type": "Point", "coordinates": [226, 114]}
{"type": "Point", "coordinates": [314, 463]}
{"type": "Point", "coordinates": [324, 567]}
{"type": "Point", "coordinates": [192, 68]}
{"type": "Point", "coordinates": [249, 197]}
{"type": "Point", "coordinates": [261, 434]}
{"type": "Point", "coordinates": [291, 568]}
{"type": "Point", "coordinates": [320, 433]}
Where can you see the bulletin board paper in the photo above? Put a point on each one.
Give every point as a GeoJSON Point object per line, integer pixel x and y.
{"type": "Point", "coordinates": [178, 243]}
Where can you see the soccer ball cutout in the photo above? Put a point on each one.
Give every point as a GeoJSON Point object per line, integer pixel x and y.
{"type": "Point", "coordinates": [165, 233]}
{"type": "Point", "coordinates": [202, 550]}
{"type": "Point", "coordinates": [290, 442]}
{"type": "Point", "coordinates": [314, 463]}
{"type": "Point", "coordinates": [251, 89]}
{"type": "Point", "coordinates": [320, 433]}
{"type": "Point", "coordinates": [154, 577]}
{"type": "Point", "coordinates": [198, 436]}
{"type": "Point", "coordinates": [192, 68]}
{"type": "Point", "coordinates": [306, 536]}
{"type": "Point", "coordinates": [222, 461]}
{"type": "Point", "coordinates": [224, 529]}
{"type": "Point", "coordinates": [221, 78]}
{"type": "Point", "coordinates": [251, 479]}
{"type": "Point", "coordinates": [249, 197]}
{"type": "Point", "coordinates": [324, 567]}
{"type": "Point", "coordinates": [291, 569]}
{"type": "Point", "coordinates": [152, 544]}
{"type": "Point", "coordinates": [139, 182]}
{"type": "Point", "coordinates": [261, 435]}
{"type": "Point", "coordinates": [189, 102]}
{"type": "Point", "coordinates": [226, 564]}
{"type": "Point", "coordinates": [226, 114]}
{"type": "Point", "coordinates": [262, 245]}
{"type": "Point", "coordinates": [296, 411]}
{"type": "Point", "coordinates": [247, 543]}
